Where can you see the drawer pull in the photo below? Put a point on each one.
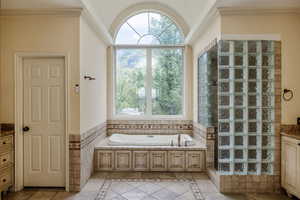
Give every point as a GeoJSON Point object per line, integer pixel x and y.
{"type": "Point", "coordinates": [4, 143]}
{"type": "Point", "coordinates": [299, 144]}
{"type": "Point", "coordinates": [4, 160]}
{"type": "Point", "coordinates": [4, 180]}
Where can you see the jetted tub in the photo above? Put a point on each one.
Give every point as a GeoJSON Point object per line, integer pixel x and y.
{"type": "Point", "coordinates": [149, 140]}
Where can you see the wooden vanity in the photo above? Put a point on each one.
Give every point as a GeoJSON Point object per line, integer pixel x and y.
{"type": "Point", "coordinates": [6, 157]}
{"type": "Point", "coordinates": [290, 163]}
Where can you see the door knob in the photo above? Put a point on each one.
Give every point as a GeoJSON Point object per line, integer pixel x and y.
{"type": "Point", "coordinates": [26, 128]}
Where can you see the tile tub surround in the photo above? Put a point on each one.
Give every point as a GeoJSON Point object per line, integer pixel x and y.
{"type": "Point", "coordinates": [207, 135]}
{"type": "Point", "coordinates": [81, 153]}
{"type": "Point", "coordinates": [149, 158]}
{"type": "Point", "coordinates": [149, 126]}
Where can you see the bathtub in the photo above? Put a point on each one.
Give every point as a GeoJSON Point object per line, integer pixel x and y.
{"type": "Point", "coordinates": [149, 140]}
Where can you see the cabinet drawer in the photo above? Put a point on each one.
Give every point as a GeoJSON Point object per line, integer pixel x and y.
{"type": "Point", "coordinates": [6, 159]}
{"type": "Point", "coordinates": [6, 143]}
{"type": "Point", "coordinates": [6, 178]}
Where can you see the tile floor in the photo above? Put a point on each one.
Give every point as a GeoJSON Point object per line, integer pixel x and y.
{"type": "Point", "coordinates": [141, 186]}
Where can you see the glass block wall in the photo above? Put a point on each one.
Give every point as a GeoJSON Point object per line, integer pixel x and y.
{"type": "Point", "coordinates": [207, 88]}
{"type": "Point", "coordinates": [246, 107]}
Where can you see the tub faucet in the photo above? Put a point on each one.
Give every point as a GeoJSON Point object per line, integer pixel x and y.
{"type": "Point", "coordinates": [179, 139]}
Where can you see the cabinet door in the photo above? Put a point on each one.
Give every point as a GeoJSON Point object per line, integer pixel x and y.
{"type": "Point", "coordinates": [158, 160]}
{"type": "Point", "coordinates": [176, 160]}
{"type": "Point", "coordinates": [290, 164]}
{"type": "Point", "coordinates": [123, 160]}
{"type": "Point", "coordinates": [140, 160]}
{"type": "Point", "coordinates": [195, 161]}
{"type": "Point", "coordinates": [104, 160]}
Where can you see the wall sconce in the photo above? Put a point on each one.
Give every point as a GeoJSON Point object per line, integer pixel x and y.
{"type": "Point", "coordinates": [287, 95]}
{"type": "Point", "coordinates": [90, 78]}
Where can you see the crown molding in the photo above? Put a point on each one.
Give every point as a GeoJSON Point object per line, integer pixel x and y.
{"type": "Point", "coordinates": [257, 11]}
{"type": "Point", "coordinates": [201, 27]}
{"type": "Point", "coordinates": [97, 26]}
{"type": "Point", "coordinates": [28, 12]}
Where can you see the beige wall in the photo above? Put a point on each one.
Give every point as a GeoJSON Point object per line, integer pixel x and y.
{"type": "Point", "coordinates": [42, 34]}
{"type": "Point", "coordinates": [92, 93]}
{"type": "Point", "coordinates": [288, 26]}
{"type": "Point", "coordinates": [212, 32]}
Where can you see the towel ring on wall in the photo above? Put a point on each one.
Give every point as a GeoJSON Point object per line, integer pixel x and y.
{"type": "Point", "coordinates": [287, 95]}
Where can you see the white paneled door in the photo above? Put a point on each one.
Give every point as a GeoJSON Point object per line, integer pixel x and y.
{"type": "Point", "coordinates": [44, 122]}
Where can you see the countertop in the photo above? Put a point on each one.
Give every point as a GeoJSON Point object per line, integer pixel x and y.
{"type": "Point", "coordinates": [6, 129]}
{"type": "Point", "coordinates": [295, 135]}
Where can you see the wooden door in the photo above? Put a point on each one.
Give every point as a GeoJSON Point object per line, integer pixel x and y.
{"type": "Point", "coordinates": [44, 115]}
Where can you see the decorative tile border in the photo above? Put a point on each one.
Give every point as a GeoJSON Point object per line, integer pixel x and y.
{"type": "Point", "coordinates": [81, 151]}
{"type": "Point", "coordinates": [149, 126]}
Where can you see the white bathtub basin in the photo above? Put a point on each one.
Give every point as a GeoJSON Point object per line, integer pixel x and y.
{"type": "Point", "coordinates": [149, 140]}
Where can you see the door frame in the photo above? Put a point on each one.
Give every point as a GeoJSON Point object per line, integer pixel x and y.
{"type": "Point", "coordinates": [19, 149]}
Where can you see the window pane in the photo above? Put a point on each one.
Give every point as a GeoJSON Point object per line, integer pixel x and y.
{"type": "Point", "coordinates": [140, 23]}
{"type": "Point", "coordinates": [167, 88]}
{"type": "Point", "coordinates": [148, 39]}
{"type": "Point", "coordinates": [130, 81]}
{"type": "Point", "coordinates": [126, 35]}
{"type": "Point", "coordinates": [144, 25]}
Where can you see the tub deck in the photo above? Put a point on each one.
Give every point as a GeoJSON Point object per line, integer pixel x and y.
{"type": "Point", "coordinates": [150, 158]}
{"type": "Point", "coordinates": [104, 145]}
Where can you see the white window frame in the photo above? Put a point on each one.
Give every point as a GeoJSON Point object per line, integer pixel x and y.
{"type": "Point", "coordinates": [148, 114]}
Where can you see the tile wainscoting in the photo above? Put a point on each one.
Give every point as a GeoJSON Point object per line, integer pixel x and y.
{"type": "Point", "coordinates": [207, 135]}
{"type": "Point", "coordinates": [81, 152]}
{"type": "Point", "coordinates": [150, 126]}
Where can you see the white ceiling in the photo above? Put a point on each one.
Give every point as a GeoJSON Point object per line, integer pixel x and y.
{"type": "Point", "coordinates": [105, 11]}
{"type": "Point", "coordinates": [188, 9]}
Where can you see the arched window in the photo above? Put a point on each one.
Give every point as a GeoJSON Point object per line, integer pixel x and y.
{"type": "Point", "coordinates": [149, 67]}
{"type": "Point", "coordinates": [149, 28]}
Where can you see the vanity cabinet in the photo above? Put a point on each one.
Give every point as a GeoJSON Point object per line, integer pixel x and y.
{"type": "Point", "coordinates": [6, 162]}
{"type": "Point", "coordinates": [290, 165]}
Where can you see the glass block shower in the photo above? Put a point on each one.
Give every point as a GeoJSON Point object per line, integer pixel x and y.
{"type": "Point", "coordinates": [207, 90]}
{"type": "Point", "coordinates": [244, 111]}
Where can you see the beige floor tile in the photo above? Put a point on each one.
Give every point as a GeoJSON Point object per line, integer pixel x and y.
{"type": "Point", "coordinates": [149, 188]}
{"type": "Point", "coordinates": [219, 196]}
{"type": "Point", "coordinates": [165, 194]}
{"type": "Point", "coordinates": [179, 187]}
{"type": "Point", "coordinates": [268, 197]}
{"type": "Point", "coordinates": [22, 195]}
{"type": "Point", "coordinates": [93, 185]}
{"type": "Point", "coordinates": [43, 195]}
{"type": "Point", "coordinates": [206, 186]}
{"type": "Point", "coordinates": [121, 187]}
{"type": "Point", "coordinates": [135, 194]}
{"type": "Point", "coordinates": [186, 196]}
{"type": "Point", "coordinates": [64, 196]}
{"type": "Point", "coordinates": [85, 196]}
